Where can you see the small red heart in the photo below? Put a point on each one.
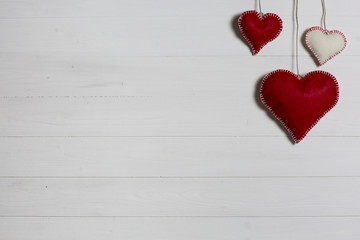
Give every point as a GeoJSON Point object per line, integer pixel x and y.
{"type": "Point", "coordinates": [299, 102]}
{"type": "Point", "coordinates": [257, 30]}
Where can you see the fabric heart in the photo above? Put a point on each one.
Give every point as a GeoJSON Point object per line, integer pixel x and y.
{"type": "Point", "coordinates": [259, 30]}
{"type": "Point", "coordinates": [299, 102]}
{"type": "Point", "coordinates": [324, 44]}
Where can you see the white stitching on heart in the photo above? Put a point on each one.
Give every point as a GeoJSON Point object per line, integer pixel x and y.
{"type": "Point", "coordinates": [264, 16]}
{"type": "Point", "coordinates": [326, 33]}
{"type": "Point", "coordinates": [282, 121]}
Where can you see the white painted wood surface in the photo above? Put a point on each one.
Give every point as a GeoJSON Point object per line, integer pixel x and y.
{"type": "Point", "coordinates": [138, 119]}
{"type": "Point", "coordinates": [176, 228]}
{"type": "Point", "coordinates": [180, 197]}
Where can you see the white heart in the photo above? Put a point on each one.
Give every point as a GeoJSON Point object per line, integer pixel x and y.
{"type": "Point", "coordinates": [325, 44]}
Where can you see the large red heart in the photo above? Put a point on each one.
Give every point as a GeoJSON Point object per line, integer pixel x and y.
{"type": "Point", "coordinates": [299, 102]}
{"type": "Point", "coordinates": [259, 30]}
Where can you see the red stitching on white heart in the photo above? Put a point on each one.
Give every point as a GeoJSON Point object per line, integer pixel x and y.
{"type": "Point", "coordinates": [281, 120]}
{"type": "Point", "coordinates": [326, 33]}
{"type": "Point", "coordinates": [264, 16]}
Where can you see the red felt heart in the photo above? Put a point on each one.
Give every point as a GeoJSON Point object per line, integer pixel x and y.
{"type": "Point", "coordinates": [299, 102]}
{"type": "Point", "coordinates": [257, 30]}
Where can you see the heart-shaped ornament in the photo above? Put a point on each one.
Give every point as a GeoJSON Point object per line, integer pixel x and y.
{"type": "Point", "coordinates": [259, 30]}
{"type": "Point", "coordinates": [324, 44]}
{"type": "Point", "coordinates": [299, 102]}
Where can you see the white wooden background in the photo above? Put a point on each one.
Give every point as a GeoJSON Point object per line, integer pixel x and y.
{"type": "Point", "coordinates": [138, 119]}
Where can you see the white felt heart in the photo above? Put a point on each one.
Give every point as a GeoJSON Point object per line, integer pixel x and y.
{"type": "Point", "coordinates": [325, 44]}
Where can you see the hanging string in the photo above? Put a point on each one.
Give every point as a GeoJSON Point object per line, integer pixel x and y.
{"type": "Point", "coordinates": [261, 14]}
{"type": "Point", "coordinates": [297, 38]}
{"type": "Point", "coordinates": [324, 14]}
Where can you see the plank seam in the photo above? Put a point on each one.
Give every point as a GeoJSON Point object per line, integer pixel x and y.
{"type": "Point", "coordinates": [168, 177]}
{"type": "Point", "coordinates": [330, 216]}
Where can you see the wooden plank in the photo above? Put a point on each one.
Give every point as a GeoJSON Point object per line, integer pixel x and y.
{"type": "Point", "coordinates": [207, 103]}
{"type": "Point", "coordinates": [180, 228]}
{"type": "Point", "coordinates": [152, 76]}
{"type": "Point", "coordinates": [195, 115]}
{"type": "Point", "coordinates": [153, 36]}
{"type": "Point", "coordinates": [130, 8]}
{"type": "Point", "coordinates": [180, 197]}
{"type": "Point", "coordinates": [174, 157]}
